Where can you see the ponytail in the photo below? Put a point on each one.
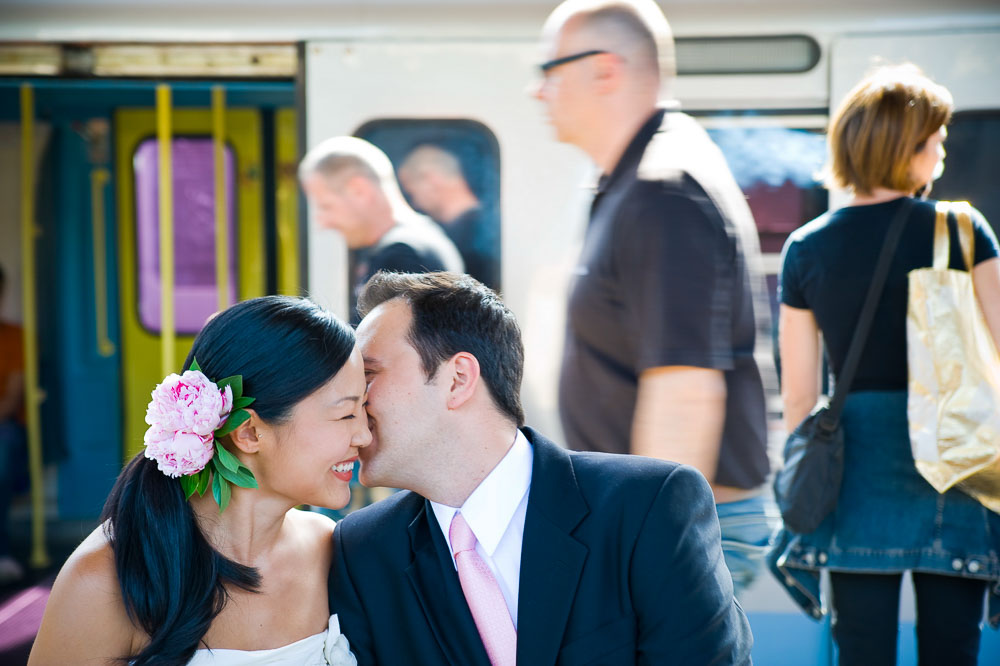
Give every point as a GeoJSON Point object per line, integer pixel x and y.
{"type": "Point", "coordinates": [172, 581]}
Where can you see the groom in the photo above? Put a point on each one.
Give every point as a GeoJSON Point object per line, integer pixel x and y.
{"type": "Point", "coordinates": [508, 547]}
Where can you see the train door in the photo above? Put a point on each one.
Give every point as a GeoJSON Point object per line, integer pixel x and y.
{"type": "Point", "coordinates": [196, 294]}
{"type": "Point", "coordinates": [448, 85]}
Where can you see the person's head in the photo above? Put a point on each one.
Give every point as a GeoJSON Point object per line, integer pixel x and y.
{"type": "Point", "coordinates": [887, 133]}
{"type": "Point", "coordinates": [603, 58]}
{"type": "Point", "coordinates": [299, 364]}
{"type": "Point", "coordinates": [436, 346]}
{"type": "Point", "coordinates": [434, 180]}
{"type": "Point", "coordinates": [353, 188]}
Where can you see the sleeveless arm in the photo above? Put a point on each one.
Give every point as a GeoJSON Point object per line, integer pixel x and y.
{"type": "Point", "coordinates": [85, 620]}
{"type": "Point", "coordinates": [986, 278]}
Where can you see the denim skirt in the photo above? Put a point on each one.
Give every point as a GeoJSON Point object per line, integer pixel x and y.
{"type": "Point", "coordinates": [888, 518]}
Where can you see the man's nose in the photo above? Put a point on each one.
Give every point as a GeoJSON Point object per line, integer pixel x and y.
{"type": "Point", "coordinates": [534, 89]}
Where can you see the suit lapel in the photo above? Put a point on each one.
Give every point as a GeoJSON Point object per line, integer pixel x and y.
{"type": "Point", "coordinates": [436, 585]}
{"type": "Point", "coordinates": [551, 559]}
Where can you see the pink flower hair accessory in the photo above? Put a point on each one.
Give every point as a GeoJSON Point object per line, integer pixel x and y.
{"type": "Point", "coordinates": [187, 416]}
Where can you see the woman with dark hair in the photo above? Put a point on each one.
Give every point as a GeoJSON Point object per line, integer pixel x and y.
{"type": "Point", "coordinates": [202, 557]}
{"type": "Point", "coordinates": [886, 144]}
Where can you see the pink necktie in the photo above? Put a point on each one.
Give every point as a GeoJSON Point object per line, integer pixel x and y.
{"type": "Point", "coordinates": [489, 610]}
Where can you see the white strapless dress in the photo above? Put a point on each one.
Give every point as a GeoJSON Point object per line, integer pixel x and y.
{"type": "Point", "coordinates": [328, 648]}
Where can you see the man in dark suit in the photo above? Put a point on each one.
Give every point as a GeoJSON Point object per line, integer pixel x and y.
{"type": "Point", "coordinates": [507, 546]}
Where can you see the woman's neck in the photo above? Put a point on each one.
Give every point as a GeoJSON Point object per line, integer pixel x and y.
{"type": "Point", "coordinates": [877, 196]}
{"type": "Point", "coordinates": [249, 527]}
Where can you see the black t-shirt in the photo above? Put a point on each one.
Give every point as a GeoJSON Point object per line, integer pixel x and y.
{"type": "Point", "coordinates": [414, 246]}
{"type": "Point", "coordinates": [663, 280]}
{"type": "Point", "coordinates": [828, 264]}
{"type": "Point", "coordinates": [476, 241]}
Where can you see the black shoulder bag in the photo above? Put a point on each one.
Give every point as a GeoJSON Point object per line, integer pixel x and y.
{"type": "Point", "coordinates": [807, 487]}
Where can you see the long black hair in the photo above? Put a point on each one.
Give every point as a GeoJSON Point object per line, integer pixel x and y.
{"type": "Point", "coordinates": [172, 580]}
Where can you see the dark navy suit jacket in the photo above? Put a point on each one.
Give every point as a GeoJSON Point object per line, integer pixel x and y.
{"type": "Point", "coordinates": [621, 564]}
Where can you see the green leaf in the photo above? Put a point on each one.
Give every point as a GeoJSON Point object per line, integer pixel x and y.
{"type": "Point", "coordinates": [189, 484]}
{"type": "Point", "coordinates": [240, 403]}
{"type": "Point", "coordinates": [194, 365]}
{"type": "Point", "coordinates": [228, 460]}
{"type": "Point", "coordinates": [246, 478]}
{"type": "Point", "coordinates": [217, 489]}
{"type": "Point", "coordinates": [241, 477]}
{"type": "Point", "coordinates": [236, 382]}
{"type": "Point", "coordinates": [235, 420]}
{"type": "Point", "coordinates": [226, 493]}
{"type": "Point", "coordinates": [204, 478]}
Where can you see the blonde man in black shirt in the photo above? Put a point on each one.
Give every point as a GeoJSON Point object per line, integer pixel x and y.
{"type": "Point", "coordinates": [659, 356]}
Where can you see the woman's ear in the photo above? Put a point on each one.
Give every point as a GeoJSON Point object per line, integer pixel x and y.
{"type": "Point", "coordinates": [248, 434]}
{"type": "Point", "coordinates": [464, 379]}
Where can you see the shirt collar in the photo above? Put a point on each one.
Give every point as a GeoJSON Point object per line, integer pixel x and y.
{"type": "Point", "coordinates": [635, 149]}
{"type": "Point", "coordinates": [490, 507]}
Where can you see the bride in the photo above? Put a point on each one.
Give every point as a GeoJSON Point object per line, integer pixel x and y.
{"type": "Point", "coordinates": [201, 557]}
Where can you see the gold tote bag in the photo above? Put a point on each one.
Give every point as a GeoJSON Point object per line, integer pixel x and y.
{"type": "Point", "coordinates": [954, 368]}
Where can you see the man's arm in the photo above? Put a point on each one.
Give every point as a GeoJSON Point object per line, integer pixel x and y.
{"type": "Point", "coordinates": [681, 267]}
{"type": "Point", "coordinates": [345, 601]}
{"type": "Point", "coordinates": [681, 588]}
{"type": "Point", "coordinates": [679, 415]}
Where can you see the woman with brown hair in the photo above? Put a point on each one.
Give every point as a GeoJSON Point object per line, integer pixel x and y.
{"type": "Point", "coordinates": [886, 145]}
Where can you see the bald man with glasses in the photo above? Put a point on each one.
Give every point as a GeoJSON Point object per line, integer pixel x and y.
{"type": "Point", "coordinates": [668, 302]}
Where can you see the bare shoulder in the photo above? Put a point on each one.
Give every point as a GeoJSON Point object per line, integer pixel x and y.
{"type": "Point", "coordinates": [85, 619]}
{"type": "Point", "coordinates": [313, 528]}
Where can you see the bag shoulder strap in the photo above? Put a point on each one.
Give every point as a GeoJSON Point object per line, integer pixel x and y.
{"type": "Point", "coordinates": [963, 217]}
{"type": "Point", "coordinates": [966, 239]}
{"type": "Point", "coordinates": [864, 325]}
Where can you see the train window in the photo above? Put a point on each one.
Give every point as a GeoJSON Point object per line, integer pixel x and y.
{"type": "Point", "coordinates": [776, 159]}
{"type": "Point", "coordinates": [972, 161]}
{"type": "Point", "coordinates": [777, 167]}
{"type": "Point", "coordinates": [450, 171]}
{"type": "Point", "coordinates": [196, 296]}
{"type": "Point", "coordinates": [775, 54]}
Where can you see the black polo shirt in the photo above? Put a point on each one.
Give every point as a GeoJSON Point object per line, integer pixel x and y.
{"type": "Point", "coordinates": [663, 281]}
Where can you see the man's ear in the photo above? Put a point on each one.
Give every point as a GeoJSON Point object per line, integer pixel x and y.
{"type": "Point", "coordinates": [609, 72]}
{"type": "Point", "coordinates": [357, 188]}
{"type": "Point", "coordinates": [248, 434]}
{"type": "Point", "coordinates": [464, 379]}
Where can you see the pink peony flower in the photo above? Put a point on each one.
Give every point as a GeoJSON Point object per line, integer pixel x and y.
{"type": "Point", "coordinates": [182, 454]}
{"type": "Point", "coordinates": [183, 415]}
{"type": "Point", "coordinates": [188, 403]}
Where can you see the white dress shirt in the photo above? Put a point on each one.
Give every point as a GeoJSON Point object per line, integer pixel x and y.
{"type": "Point", "coordinates": [495, 512]}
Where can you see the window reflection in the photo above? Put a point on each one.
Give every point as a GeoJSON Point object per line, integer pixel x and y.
{"type": "Point", "coordinates": [450, 171]}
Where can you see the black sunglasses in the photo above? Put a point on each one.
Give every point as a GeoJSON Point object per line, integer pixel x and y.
{"type": "Point", "coordinates": [548, 66]}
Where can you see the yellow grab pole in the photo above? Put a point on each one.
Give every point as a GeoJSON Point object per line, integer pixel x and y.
{"type": "Point", "coordinates": [221, 204]}
{"type": "Point", "coordinates": [165, 139]}
{"type": "Point", "coordinates": [32, 395]}
{"type": "Point", "coordinates": [98, 179]}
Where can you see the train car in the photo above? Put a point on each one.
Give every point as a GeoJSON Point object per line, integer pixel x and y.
{"type": "Point", "coordinates": [90, 92]}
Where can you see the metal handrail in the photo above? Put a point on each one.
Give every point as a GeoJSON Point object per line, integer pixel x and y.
{"type": "Point", "coordinates": [164, 133]}
{"type": "Point", "coordinates": [221, 202]}
{"type": "Point", "coordinates": [99, 178]}
{"type": "Point", "coordinates": [32, 394]}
